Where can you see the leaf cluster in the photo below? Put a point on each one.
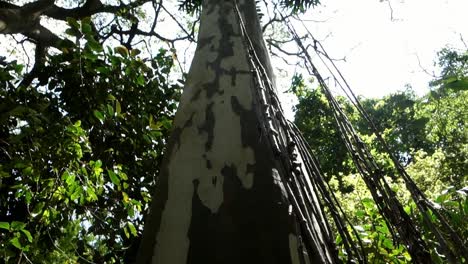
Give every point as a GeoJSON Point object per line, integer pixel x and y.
{"type": "Point", "coordinates": [428, 136]}
{"type": "Point", "coordinates": [80, 150]}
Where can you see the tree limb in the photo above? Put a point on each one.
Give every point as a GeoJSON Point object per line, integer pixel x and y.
{"type": "Point", "coordinates": [89, 8]}
{"type": "Point", "coordinates": [38, 65]}
{"type": "Point", "coordinates": [25, 19]}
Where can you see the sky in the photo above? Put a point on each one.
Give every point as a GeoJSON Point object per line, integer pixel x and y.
{"type": "Point", "coordinates": [385, 51]}
{"type": "Point", "coordinates": [387, 44]}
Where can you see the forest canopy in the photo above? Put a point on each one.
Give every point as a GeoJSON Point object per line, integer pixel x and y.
{"type": "Point", "coordinates": [427, 133]}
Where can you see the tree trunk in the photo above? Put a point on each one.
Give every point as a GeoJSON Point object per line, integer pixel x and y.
{"type": "Point", "coordinates": [220, 196]}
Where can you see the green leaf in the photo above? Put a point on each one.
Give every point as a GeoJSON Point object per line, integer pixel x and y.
{"type": "Point", "coordinates": [5, 225]}
{"type": "Point", "coordinates": [19, 110]}
{"type": "Point", "coordinates": [86, 28]}
{"type": "Point", "coordinates": [135, 52]}
{"type": "Point", "coordinates": [152, 125]}
{"type": "Point", "coordinates": [37, 209]}
{"type": "Point", "coordinates": [109, 96]}
{"type": "Point", "coordinates": [86, 20]}
{"type": "Point", "coordinates": [338, 240]}
{"type": "Point", "coordinates": [387, 243]}
{"type": "Point", "coordinates": [123, 51]}
{"type": "Point", "coordinates": [118, 107]}
{"type": "Point", "coordinates": [28, 235]}
{"type": "Point", "coordinates": [19, 68]}
{"type": "Point", "coordinates": [15, 242]}
{"type": "Point", "coordinates": [73, 23]}
{"type": "Point", "coordinates": [114, 177]}
{"type": "Point", "coordinates": [136, 202]}
{"type": "Point", "coordinates": [76, 194]}
{"type": "Point", "coordinates": [131, 211]}
{"type": "Point", "coordinates": [126, 232]}
{"type": "Point", "coordinates": [167, 123]}
{"type": "Point", "coordinates": [72, 32]}
{"type": "Point", "coordinates": [94, 45]}
{"type": "Point", "coordinates": [110, 110]}
{"type": "Point", "coordinates": [98, 164]}
{"type": "Point", "coordinates": [125, 197]}
{"type": "Point", "coordinates": [123, 176]}
{"type": "Point", "coordinates": [457, 85]}
{"type": "Point", "coordinates": [91, 194]}
{"type": "Point", "coordinates": [140, 80]}
{"type": "Point", "coordinates": [360, 213]}
{"type": "Point", "coordinates": [105, 70]}
{"type": "Point", "coordinates": [132, 228]}
{"type": "Point", "coordinates": [368, 203]}
{"type": "Point", "coordinates": [383, 229]}
{"type": "Point", "coordinates": [15, 225]}
{"type": "Point", "coordinates": [70, 179]}
{"type": "Point", "coordinates": [28, 196]}
{"type": "Point", "coordinates": [90, 55]}
{"type": "Point", "coordinates": [99, 116]}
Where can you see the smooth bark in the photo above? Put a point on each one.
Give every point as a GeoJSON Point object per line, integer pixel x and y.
{"type": "Point", "coordinates": [220, 196]}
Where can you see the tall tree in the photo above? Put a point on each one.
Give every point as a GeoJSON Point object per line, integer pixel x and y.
{"type": "Point", "coordinates": [93, 107]}
{"type": "Point", "coordinates": [221, 196]}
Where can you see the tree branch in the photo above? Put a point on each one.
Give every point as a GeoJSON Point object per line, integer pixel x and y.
{"type": "Point", "coordinates": [26, 20]}
{"type": "Point", "coordinates": [38, 65]}
{"type": "Point", "coordinates": [89, 8]}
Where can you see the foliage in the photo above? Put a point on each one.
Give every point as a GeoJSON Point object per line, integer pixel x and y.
{"type": "Point", "coordinates": [299, 5]}
{"type": "Point", "coordinates": [319, 130]}
{"type": "Point", "coordinates": [372, 230]}
{"type": "Point", "coordinates": [446, 131]}
{"type": "Point", "coordinates": [429, 173]}
{"type": "Point", "coordinates": [80, 145]}
{"type": "Point", "coordinates": [426, 133]}
{"type": "Point", "coordinates": [454, 65]}
{"type": "Point", "coordinates": [80, 150]}
{"type": "Point", "coordinates": [396, 115]}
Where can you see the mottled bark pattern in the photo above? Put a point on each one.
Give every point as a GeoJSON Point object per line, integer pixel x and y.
{"type": "Point", "coordinates": [219, 198]}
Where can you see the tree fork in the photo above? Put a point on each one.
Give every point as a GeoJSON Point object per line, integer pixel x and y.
{"type": "Point", "coordinates": [221, 195]}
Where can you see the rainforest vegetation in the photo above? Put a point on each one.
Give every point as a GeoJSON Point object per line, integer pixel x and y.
{"type": "Point", "coordinates": [84, 128]}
